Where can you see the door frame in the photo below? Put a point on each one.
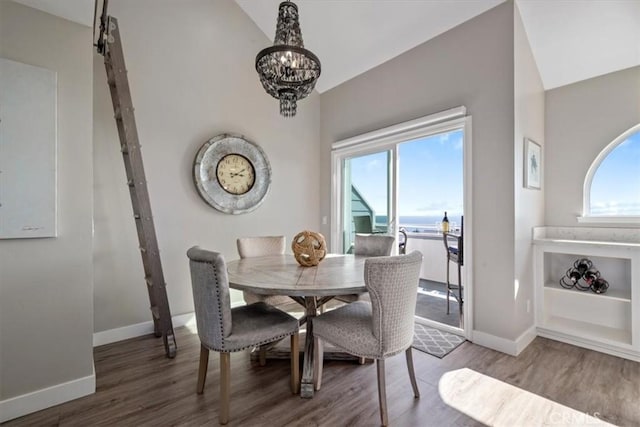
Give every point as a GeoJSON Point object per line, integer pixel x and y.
{"type": "Point", "coordinates": [388, 139]}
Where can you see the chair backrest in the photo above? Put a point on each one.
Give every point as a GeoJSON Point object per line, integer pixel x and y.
{"type": "Point", "coordinates": [211, 299]}
{"type": "Point", "coordinates": [373, 244]}
{"type": "Point", "coordinates": [249, 247]}
{"type": "Point", "coordinates": [392, 283]}
{"type": "Point", "coordinates": [445, 240]}
{"type": "Point", "coordinates": [362, 224]}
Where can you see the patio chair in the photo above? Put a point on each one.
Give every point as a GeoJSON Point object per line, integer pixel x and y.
{"type": "Point", "coordinates": [402, 246]}
{"type": "Point", "coordinates": [455, 254]}
{"type": "Point", "coordinates": [362, 224]}
{"type": "Point", "coordinates": [227, 330]}
{"type": "Point", "coordinates": [383, 327]}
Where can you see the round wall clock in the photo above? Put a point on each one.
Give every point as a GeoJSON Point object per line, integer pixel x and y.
{"type": "Point", "coordinates": [232, 174]}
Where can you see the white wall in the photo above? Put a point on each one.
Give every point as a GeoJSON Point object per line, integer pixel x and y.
{"type": "Point", "coordinates": [470, 65]}
{"type": "Point", "coordinates": [192, 76]}
{"type": "Point", "coordinates": [581, 120]}
{"type": "Point", "coordinates": [46, 285]}
{"type": "Point", "coordinates": [529, 203]}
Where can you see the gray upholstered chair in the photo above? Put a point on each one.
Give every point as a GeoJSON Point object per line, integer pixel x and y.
{"type": "Point", "coordinates": [249, 247]}
{"type": "Point", "coordinates": [226, 330]}
{"type": "Point", "coordinates": [373, 244]}
{"type": "Point", "coordinates": [370, 245]}
{"type": "Point", "coordinates": [382, 328]}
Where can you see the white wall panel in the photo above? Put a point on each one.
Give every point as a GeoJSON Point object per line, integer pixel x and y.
{"type": "Point", "coordinates": [27, 150]}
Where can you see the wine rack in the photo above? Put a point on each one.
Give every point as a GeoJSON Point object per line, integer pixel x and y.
{"type": "Point", "coordinates": [607, 322]}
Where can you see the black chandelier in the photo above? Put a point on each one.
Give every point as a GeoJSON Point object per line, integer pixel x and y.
{"type": "Point", "coordinates": [287, 70]}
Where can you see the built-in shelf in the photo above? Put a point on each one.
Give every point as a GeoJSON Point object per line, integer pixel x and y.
{"type": "Point", "coordinates": [614, 293]}
{"type": "Point", "coordinates": [608, 322]}
{"type": "Point", "coordinates": [588, 330]}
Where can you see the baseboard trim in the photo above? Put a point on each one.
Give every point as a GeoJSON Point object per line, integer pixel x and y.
{"type": "Point", "coordinates": [47, 397]}
{"type": "Point", "coordinates": [510, 347]}
{"type": "Point", "coordinates": [135, 330]}
{"type": "Point", "coordinates": [495, 343]}
{"type": "Point", "coordinates": [525, 339]}
{"type": "Point", "coordinates": [145, 328]}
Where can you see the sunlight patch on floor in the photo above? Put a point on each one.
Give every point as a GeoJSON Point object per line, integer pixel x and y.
{"type": "Point", "coordinates": [496, 403]}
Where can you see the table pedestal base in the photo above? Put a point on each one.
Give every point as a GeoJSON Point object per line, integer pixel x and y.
{"type": "Point", "coordinates": [307, 384]}
{"type": "Point", "coordinates": [309, 381]}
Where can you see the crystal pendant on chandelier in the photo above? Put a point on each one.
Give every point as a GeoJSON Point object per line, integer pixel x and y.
{"type": "Point", "coordinates": [287, 70]}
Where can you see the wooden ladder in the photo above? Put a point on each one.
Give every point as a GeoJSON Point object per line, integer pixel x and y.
{"type": "Point", "coordinates": [110, 47]}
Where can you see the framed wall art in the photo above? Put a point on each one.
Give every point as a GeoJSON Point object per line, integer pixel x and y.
{"type": "Point", "coordinates": [28, 131]}
{"type": "Point", "coordinates": [532, 164]}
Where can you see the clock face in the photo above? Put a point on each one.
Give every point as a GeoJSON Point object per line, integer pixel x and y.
{"type": "Point", "coordinates": [232, 174]}
{"type": "Point", "coordinates": [235, 174]}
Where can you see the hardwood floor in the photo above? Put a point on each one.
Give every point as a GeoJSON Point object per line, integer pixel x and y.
{"type": "Point", "coordinates": [138, 386]}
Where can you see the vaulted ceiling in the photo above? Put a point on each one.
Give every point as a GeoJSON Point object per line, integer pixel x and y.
{"type": "Point", "coordinates": [571, 40]}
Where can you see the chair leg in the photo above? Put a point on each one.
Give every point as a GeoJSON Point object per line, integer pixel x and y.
{"type": "Point", "coordinates": [448, 285]}
{"type": "Point", "coordinates": [412, 373]}
{"type": "Point", "coordinates": [382, 392]}
{"type": "Point", "coordinates": [225, 386]}
{"type": "Point", "coordinates": [295, 363]}
{"type": "Point", "coordinates": [202, 368]}
{"type": "Point", "coordinates": [318, 361]}
{"type": "Point", "coordinates": [460, 287]}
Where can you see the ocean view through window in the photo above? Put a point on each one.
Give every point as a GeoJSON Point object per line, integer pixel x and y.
{"type": "Point", "coordinates": [430, 182]}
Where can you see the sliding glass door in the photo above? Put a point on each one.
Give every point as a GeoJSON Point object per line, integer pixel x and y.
{"type": "Point", "coordinates": [409, 186]}
{"type": "Point", "coordinates": [430, 182]}
{"type": "Point", "coordinates": [402, 181]}
{"type": "Point", "coordinates": [366, 196]}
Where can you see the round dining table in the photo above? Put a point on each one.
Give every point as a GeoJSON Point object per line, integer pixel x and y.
{"type": "Point", "coordinates": [311, 287]}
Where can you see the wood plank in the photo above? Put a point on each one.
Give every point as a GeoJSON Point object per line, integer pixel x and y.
{"type": "Point", "coordinates": [583, 380]}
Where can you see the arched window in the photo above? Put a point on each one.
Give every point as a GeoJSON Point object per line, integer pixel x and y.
{"type": "Point", "coordinates": [612, 185]}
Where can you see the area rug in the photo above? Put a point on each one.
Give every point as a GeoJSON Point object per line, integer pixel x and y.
{"type": "Point", "coordinates": [433, 341]}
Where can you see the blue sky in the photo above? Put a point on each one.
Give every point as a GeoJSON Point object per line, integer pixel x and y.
{"type": "Point", "coordinates": [430, 176]}
{"type": "Point", "coordinates": [615, 189]}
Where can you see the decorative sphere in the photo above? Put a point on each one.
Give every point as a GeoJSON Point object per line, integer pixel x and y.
{"type": "Point", "coordinates": [309, 248]}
